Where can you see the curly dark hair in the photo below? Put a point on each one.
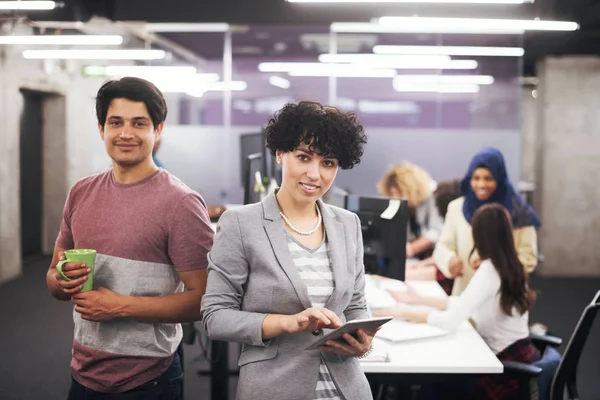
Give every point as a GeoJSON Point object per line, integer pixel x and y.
{"type": "Point", "coordinates": [328, 131]}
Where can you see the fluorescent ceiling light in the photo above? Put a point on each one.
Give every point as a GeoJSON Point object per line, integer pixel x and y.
{"type": "Point", "coordinates": [375, 73]}
{"type": "Point", "coordinates": [398, 61]}
{"type": "Point", "coordinates": [195, 88]}
{"type": "Point", "coordinates": [319, 69]}
{"type": "Point", "coordinates": [417, 1]}
{"type": "Point", "coordinates": [381, 60]}
{"type": "Point", "coordinates": [91, 40]}
{"type": "Point", "coordinates": [139, 70]}
{"type": "Point", "coordinates": [474, 25]}
{"type": "Point", "coordinates": [186, 27]}
{"type": "Point", "coordinates": [236, 86]}
{"type": "Point", "coordinates": [387, 107]}
{"type": "Point", "coordinates": [435, 88]}
{"type": "Point", "coordinates": [367, 27]}
{"type": "Point", "coordinates": [444, 79]}
{"type": "Point", "coordinates": [279, 82]}
{"type": "Point", "coordinates": [73, 54]}
{"type": "Point", "coordinates": [350, 69]}
{"type": "Point", "coordinates": [450, 50]}
{"type": "Point", "coordinates": [27, 5]}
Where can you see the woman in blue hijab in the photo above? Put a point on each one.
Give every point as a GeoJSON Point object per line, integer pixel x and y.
{"type": "Point", "coordinates": [486, 181]}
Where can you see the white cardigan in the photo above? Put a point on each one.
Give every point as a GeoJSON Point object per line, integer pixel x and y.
{"type": "Point", "coordinates": [481, 302]}
{"type": "Point", "coordinates": [457, 239]}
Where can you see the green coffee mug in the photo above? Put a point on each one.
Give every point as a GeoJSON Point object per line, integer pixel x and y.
{"type": "Point", "coordinates": [86, 256]}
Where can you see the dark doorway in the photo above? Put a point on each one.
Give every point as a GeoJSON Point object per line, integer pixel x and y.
{"type": "Point", "coordinates": [32, 194]}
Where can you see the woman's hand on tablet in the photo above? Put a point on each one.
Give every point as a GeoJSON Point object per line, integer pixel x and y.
{"type": "Point", "coordinates": [354, 346]}
{"type": "Point", "coordinates": [312, 319]}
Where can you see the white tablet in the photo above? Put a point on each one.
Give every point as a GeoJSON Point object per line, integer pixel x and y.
{"type": "Point", "coordinates": [367, 325]}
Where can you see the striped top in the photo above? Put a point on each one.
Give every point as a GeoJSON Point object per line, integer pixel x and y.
{"type": "Point", "coordinates": [315, 270]}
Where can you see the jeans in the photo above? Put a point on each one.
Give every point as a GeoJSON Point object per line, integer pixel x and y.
{"type": "Point", "coordinates": [168, 386]}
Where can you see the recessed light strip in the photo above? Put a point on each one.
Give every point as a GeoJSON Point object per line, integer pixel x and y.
{"type": "Point", "coordinates": [80, 54]}
{"type": "Point", "coordinates": [27, 5]}
{"type": "Point", "coordinates": [87, 40]}
{"type": "Point", "coordinates": [472, 51]}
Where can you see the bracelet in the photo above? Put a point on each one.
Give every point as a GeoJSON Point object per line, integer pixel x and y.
{"type": "Point", "coordinates": [367, 353]}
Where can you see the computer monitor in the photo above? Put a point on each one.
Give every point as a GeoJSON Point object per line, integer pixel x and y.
{"type": "Point", "coordinates": [253, 164]}
{"type": "Point", "coordinates": [384, 224]}
{"type": "Point", "coordinates": [272, 168]}
{"type": "Point", "coordinates": [252, 143]}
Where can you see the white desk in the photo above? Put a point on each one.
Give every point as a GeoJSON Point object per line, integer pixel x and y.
{"type": "Point", "coordinates": [461, 352]}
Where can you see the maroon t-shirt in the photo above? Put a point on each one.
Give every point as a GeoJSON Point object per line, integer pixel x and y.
{"type": "Point", "coordinates": [144, 234]}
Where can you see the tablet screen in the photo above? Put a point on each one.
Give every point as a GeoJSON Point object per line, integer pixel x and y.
{"type": "Point", "coordinates": [367, 325]}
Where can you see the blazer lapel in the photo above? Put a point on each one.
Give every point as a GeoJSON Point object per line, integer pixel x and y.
{"type": "Point", "coordinates": [276, 234]}
{"type": "Point", "coordinates": [336, 240]}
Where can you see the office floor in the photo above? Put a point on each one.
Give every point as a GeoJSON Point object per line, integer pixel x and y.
{"type": "Point", "coordinates": [36, 334]}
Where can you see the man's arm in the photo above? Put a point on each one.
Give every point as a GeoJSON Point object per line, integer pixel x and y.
{"type": "Point", "coordinates": [102, 304]}
{"type": "Point", "coordinates": [60, 288]}
{"type": "Point", "coordinates": [180, 307]}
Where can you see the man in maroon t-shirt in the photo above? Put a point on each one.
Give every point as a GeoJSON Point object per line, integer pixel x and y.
{"type": "Point", "coordinates": [152, 235]}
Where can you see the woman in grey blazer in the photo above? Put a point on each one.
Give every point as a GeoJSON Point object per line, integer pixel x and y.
{"type": "Point", "coordinates": [283, 271]}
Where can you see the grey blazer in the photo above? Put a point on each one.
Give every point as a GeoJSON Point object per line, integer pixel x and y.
{"type": "Point", "coordinates": [251, 274]}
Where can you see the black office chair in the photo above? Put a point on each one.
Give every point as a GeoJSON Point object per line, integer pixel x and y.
{"type": "Point", "coordinates": [566, 374]}
{"type": "Point", "coordinates": [535, 380]}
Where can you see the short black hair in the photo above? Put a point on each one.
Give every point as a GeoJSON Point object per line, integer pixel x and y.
{"type": "Point", "coordinates": [134, 89]}
{"type": "Point", "coordinates": [328, 131]}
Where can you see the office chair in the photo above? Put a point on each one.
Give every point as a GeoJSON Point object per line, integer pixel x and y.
{"type": "Point", "coordinates": [541, 371]}
{"type": "Point", "coordinates": [566, 374]}
{"type": "Point", "coordinates": [564, 371]}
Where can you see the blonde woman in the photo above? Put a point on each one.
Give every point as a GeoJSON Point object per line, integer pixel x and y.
{"type": "Point", "coordinates": [411, 182]}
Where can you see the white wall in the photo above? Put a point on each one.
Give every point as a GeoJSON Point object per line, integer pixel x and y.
{"type": "Point", "coordinates": [444, 153]}
{"type": "Point", "coordinates": [75, 131]}
{"type": "Point", "coordinates": [207, 158]}
{"type": "Point", "coordinates": [568, 165]}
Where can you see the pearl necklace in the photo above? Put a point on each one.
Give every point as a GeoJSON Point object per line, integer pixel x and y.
{"type": "Point", "coordinates": [298, 231]}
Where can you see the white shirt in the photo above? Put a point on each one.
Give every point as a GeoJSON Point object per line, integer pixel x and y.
{"type": "Point", "coordinates": [457, 240]}
{"type": "Point", "coordinates": [480, 301]}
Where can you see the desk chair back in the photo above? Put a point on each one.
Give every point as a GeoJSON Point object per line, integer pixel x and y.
{"type": "Point", "coordinates": [566, 374]}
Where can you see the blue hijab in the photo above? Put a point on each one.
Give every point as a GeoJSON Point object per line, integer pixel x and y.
{"type": "Point", "coordinates": [522, 214]}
